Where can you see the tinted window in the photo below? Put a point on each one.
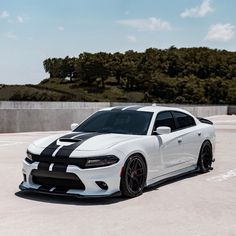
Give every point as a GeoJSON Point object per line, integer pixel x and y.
{"type": "Point", "coordinates": [165, 119]}
{"type": "Point", "coordinates": [123, 122]}
{"type": "Point", "coordinates": [183, 120]}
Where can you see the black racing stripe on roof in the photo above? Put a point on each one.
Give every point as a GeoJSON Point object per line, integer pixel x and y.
{"type": "Point", "coordinates": [134, 108]}
{"type": "Point", "coordinates": [119, 108]}
{"type": "Point", "coordinates": [127, 108]}
{"type": "Point", "coordinates": [51, 148]}
{"type": "Point", "coordinates": [65, 151]}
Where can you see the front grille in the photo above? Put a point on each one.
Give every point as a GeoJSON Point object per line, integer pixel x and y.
{"type": "Point", "coordinates": [80, 162]}
{"type": "Point", "coordinates": [52, 179]}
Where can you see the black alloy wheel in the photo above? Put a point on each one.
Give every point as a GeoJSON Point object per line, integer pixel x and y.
{"type": "Point", "coordinates": [205, 157]}
{"type": "Point", "coordinates": [133, 177]}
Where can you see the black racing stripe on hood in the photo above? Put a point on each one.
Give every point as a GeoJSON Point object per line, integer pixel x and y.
{"type": "Point", "coordinates": [59, 167]}
{"type": "Point", "coordinates": [43, 166]}
{"type": "Point", "coordinates": [65, 151]}
{"type": "Point", "coordinates": [51, 148]}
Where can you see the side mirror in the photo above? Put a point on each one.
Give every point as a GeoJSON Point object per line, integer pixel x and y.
{"type": "Point", "coordinates": [163, 130]}
{"type": "Point", "coordinates": [73, 126]}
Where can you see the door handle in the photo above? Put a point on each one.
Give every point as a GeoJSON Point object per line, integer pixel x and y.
{"type": "Point", "coordinates": [199, 133]}
{"type": "Point", "coordinates": [180, 140]}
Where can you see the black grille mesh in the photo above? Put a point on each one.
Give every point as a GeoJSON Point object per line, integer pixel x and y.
{"type": "Point", "coordinates": [52, 179]}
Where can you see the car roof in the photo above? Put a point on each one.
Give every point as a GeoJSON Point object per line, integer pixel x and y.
{"type": "Point", "coordinates": [152, 108]}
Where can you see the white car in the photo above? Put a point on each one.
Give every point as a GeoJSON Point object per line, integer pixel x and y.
{"type": "Point", "coordinates": [120, 150]}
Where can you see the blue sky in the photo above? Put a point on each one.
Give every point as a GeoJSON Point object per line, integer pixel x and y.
{"type": "Point", "coordinates": [33, 30]}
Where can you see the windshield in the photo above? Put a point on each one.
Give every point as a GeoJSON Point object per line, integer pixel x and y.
{"type": "Point", "coordinates": [121, 122]}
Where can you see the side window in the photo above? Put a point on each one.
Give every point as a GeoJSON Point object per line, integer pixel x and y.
{"type": "Point", "coordinates": [165, 119]}
{"type": "Point", "coordinates": [183, 120]}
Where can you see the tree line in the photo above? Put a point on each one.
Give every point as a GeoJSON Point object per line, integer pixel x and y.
{"type": "Point", "coordinates": [185, 75]}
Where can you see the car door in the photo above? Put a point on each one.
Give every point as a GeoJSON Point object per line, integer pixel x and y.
{"type": "Point", "coordinates": [170, 145]}
{"type": "Point", "coordinates": [191, 136]}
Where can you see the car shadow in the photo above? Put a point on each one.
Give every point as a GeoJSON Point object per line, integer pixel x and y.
{"type": "Point", "coordinates": [70, 200]}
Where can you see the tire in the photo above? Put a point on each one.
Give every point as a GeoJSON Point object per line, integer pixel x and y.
{"type": "Point", "coordinates": [205, 157]}
{"type": "Point", "coordinates": [133, 178]}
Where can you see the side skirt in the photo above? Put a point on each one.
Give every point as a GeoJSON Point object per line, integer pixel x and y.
{"type": "Point", "coordinates": [171, 176]}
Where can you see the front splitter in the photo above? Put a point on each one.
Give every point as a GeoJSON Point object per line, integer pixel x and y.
{"type": "Point", "coordinates": [24, 189]}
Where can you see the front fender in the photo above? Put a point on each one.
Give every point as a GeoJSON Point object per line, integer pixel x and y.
{"type": "Point", "coordinates": [148, 147]}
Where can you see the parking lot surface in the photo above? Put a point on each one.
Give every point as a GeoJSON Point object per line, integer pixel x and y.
{"type": "Point", "coordinates": [197, 204]}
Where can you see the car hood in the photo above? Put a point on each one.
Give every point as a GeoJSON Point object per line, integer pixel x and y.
{"type": "Point", "coordinates": [83, 141]}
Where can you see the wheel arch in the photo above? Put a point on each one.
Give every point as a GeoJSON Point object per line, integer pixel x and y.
{"type": "Point", "coordinates": [205, 141]}
{"type": "Point", "coordinates": [132, 154]}
{"type": "Point", "coordinates": [124, 169]}
{"type": "Point", "coordinates": [140, 154]}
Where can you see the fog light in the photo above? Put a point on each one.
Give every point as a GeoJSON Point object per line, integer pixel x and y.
{"type": "Point", "coordinates": [102, 185]}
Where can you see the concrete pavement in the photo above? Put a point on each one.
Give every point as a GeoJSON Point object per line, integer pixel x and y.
{"type": "Point", "coordinates": [194, 205]}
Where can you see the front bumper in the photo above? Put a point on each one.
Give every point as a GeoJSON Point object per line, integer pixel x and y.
{"type": "Point", "coordinates": [33, 190]}
{"type": "Point", "coordinates": [109, 175]}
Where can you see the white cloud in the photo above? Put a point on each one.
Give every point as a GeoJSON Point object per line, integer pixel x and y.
{"type": "Point", "coordinates": [20, 19]}
{"type": "Point", "coordinates": [10, 35]}
{"type": "Point", "coordinates": [132, 39]}
{"type": "Point", "coordinates": [220, 32]}
{"type": "Point", "coordinates": [60, 28]}
{"type": "Point", "coordinates": [4, 14]}
{"type": "Point", "coordinates": [198, 11]}
{"type": "Point", "coordinates": [150, 24]}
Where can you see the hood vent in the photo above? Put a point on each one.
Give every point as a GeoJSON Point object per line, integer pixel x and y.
{"type": "Point", "coordinates": [69, 140]}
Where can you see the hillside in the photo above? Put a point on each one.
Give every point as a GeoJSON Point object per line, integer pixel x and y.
{"type": "Point", "coordinates": [185, 75]}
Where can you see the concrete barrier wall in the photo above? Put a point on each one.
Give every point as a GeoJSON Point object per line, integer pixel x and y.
{"type": "Point", "coordinates": [44, 116]}
{"type": "Point", "coordinates": [48, 116]}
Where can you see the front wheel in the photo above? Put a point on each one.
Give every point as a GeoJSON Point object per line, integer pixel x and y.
{"type": "Point", "coordinates": [205, 157]}
{"type": "Point", "coordinates": [133, 177]}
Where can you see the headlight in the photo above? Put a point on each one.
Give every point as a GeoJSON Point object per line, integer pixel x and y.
{"type": "Point", "coordinates": [29, 155]}
{"type": "Point", "coordinates": [94, 162]}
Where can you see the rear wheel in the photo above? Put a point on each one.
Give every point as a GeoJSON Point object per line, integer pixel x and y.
{"type": "Point", "coordinates": [133, 177]}
{"type": "Point", "coordinates": [205, 157]}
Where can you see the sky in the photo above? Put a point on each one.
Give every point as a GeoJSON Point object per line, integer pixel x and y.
{"type": "Point", "coordinates": [32, 30]}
